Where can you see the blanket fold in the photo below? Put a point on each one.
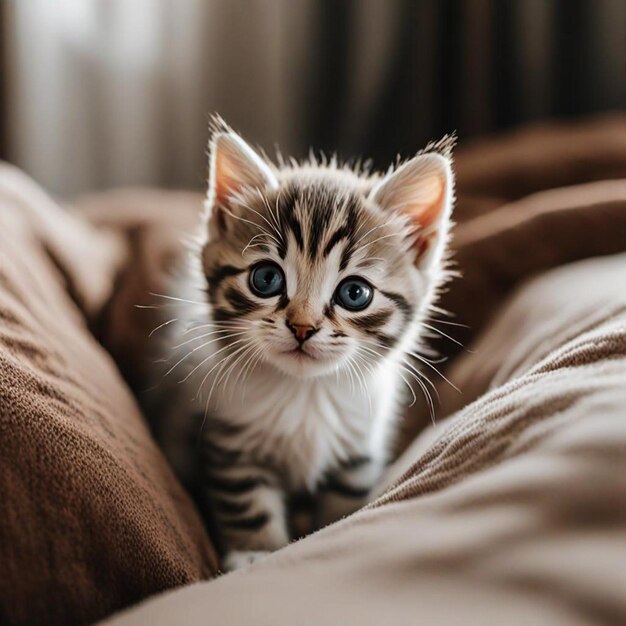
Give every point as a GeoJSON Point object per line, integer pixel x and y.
{"type": "Point", "coordinates": [91, 517]}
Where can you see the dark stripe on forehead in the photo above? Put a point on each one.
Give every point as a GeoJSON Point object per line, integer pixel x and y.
{"type": "Point", "coordinates": [351, 230]}
{"type": "Point", "coordinates": [335, 238]}
{"type": "Point", "coordinates": [296, 229]}
{"type": "Point", "coordinates": [346, 255]}
{"type": "Point", "coordinates": [240, 303]}
{"type": "Point", "coordinates": [347, 231]}
{"type": "Point", "coordinates": [320, 218]}
{"type": "Point", "coordinates": [371, 323]}
{"type": "Point", "coordinates": [401, 302]}
{"type": "Point", "coordinates": [287, 216]}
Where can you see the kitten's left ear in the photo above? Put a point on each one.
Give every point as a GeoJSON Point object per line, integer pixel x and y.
{"type": "Point", "coordinates": [423, 191]}
{"type": "Point", "coordinates": [234, 168]}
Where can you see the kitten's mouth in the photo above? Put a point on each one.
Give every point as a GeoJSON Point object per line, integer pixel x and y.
{"type": "Point", "coordinates": [307, 361]}
{"type": "Point", "coordinates": [299, 353]}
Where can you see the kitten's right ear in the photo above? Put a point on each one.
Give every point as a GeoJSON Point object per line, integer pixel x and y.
{"type": "Point", "coordinates": [234, 168]}
{"type": "Point", "coordinates": [422, 190]}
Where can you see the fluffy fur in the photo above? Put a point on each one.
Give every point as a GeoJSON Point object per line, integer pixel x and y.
{"type": "Point", "coordinates": [295, 390]}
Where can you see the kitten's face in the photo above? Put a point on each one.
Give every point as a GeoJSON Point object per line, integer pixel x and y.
{"type": "Point", "coordinates": [307, 269]}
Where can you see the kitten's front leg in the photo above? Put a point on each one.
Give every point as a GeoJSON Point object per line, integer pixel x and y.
{"type": "Point", "coordinates": [248, 509]}
{"type": "Point", "coordinates": [347, 488]}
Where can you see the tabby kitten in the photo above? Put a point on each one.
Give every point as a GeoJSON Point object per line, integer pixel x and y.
{"type": "Point", "coordinates": [317, 280]}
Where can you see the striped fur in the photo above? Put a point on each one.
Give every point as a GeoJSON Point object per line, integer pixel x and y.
{"type": "Point", "coordinates": [315, 411]}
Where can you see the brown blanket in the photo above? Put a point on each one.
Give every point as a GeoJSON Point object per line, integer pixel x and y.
{"type": "Point", "coordinates": [94, 521]}
{"type": "Point", "coordinates": [91, 517]}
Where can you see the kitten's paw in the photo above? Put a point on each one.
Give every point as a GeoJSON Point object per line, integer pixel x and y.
{"type": "Point", "coordinates": [236, 559]}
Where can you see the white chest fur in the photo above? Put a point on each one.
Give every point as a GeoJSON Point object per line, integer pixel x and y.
{"type": "Point", "coordinates": [306, 427]}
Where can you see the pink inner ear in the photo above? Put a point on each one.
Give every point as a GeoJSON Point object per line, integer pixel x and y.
{"type": "Point", "coordinates": [225, 179]}
{"type": "Point", "coordinates": [428, 209]}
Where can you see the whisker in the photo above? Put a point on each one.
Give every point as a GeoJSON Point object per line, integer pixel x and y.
{"type": "Point", "coordinates": [233, 325]}
{"type": "Point", "coordinates": [406, 382]}
{"type": "Point", "coordinates": [230, 345]}
{"type": "Point", "coordinates": [424, 377]}
{"type": "Point", "coordinates": [432, 367]}
{"type": "Point", "coordinates": [213, 332]}
{"type": "Point", "coordinates": [254, 245]}
{"type": "Point", "coordinates": [438, 321]}
{"type": "Point", "coordinates": [358, 378]}
{"type": "Point", "coordinates": [242, 219]}
{"type": "Point", "coordinates": [228, 372]}
{"type": "Point", "coordinates": [415, 377]}
{"type": "Point", "coordinates": [440, 332]}
{"type": "Point", "coordinates": [369, 243]}
{"type": "Point", "coordinates": [350, 373]}
{"type": "Point", "coordinates": [169, 305]}
{"type": "Point", "coordinates": [206, 406]}
{"type": "Point", "coordinates": [222, 363]}
{"type": "Point", "coordinates": [204, 345]}
{"type": "Point", "coordinates": [251, 363]}
{"type": "Point", "coordinates": [154, 330]}
{"type": "Point", "coordinates": [161, 295]}
{"type": "Point", "coordinates": [422, 360]}
{"type": "Point", "coordinates": [275, 219]}
{"type": "Point", "coordinates": [247, 206]}
{"type": "Point", "coordinates": [371, 230]}
{"type": "Point", "coordinates": [363, 384]}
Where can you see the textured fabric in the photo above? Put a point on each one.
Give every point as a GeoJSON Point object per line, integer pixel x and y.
{"type": "Point", "coordinates": [531, 159]}
{"type": "Point", "coordinates": [91, 517]}
{"type": "Point", "coordinates": [513, 511]}
{"type": "Point", "coordinates": [495, 252]}
{"type": "Point", "coordinates": [512, 508]}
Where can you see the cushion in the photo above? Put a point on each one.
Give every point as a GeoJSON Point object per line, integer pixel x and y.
{"type": "Point", "coordinates": [92, 518]}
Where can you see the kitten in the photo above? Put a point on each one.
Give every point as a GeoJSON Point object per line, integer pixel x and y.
{"type": "Point", "coordinates": [317, 280]}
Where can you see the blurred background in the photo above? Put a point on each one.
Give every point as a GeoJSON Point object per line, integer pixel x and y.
{"type": "Point", "coordinates": [103, 93]}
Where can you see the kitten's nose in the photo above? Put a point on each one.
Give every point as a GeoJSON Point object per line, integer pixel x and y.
{"type": "Point", "coordinates": [301, 332]}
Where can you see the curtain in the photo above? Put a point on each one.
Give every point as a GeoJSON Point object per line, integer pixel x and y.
{"type": "Point", "coordinates": [102, 93]}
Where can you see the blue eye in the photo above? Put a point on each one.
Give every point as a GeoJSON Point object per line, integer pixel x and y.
{"type": "Point", "coordinates": [267, 280]}
{"type": "Point", "coordinates": [354, 294]}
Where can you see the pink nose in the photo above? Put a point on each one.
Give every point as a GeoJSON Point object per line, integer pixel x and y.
{"type": "Point", "coordinates": [301, 332]}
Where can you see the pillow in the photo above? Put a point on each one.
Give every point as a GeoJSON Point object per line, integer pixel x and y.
{"type": "Point", "coordinates": [92, 517]}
